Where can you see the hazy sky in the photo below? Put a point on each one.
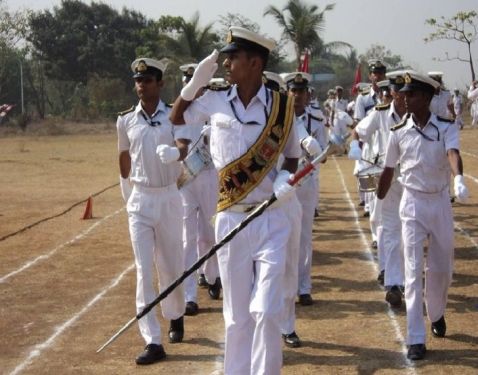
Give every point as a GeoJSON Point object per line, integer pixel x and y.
{"type": "Point", "coordinates": [399, 25]}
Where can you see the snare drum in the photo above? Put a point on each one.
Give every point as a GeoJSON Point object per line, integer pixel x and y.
{"type": "Point", "coordinates": [197, 160]}
{"type": "Point", "coordinates": [368, 178]}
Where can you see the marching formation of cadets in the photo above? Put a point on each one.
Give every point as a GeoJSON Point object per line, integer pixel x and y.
{"type": "Point", "coordinates": [193, 171]}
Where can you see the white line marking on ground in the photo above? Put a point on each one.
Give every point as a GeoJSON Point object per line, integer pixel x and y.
{"type": "Point", "coordinates": [52, 252]}
{"type": "Point", "coordinates": [393, 318]}
{"type": "Point", "coordinates": [468, 154]}
{"type": "Point", "coordinates": [474, 179]}
{"type": "Point", "coordinates": [37, 350]}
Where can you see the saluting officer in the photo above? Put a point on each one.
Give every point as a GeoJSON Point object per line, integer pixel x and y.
{"type": "Point", "coordinates": [250, 127]}
{"type": "Point", "coordinates": [427, 148]}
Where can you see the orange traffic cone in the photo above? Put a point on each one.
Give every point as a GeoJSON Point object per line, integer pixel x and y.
{"type": "Point", "coordinates": [88, 209]}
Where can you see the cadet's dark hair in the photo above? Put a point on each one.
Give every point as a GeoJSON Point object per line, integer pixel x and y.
{"type": "Point", "coordinates": [263, 56]}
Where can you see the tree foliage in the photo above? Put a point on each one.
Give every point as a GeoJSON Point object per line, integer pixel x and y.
{"type": "Point", "coordinates": [76, 56]}
{"type": "Point", "coordinates": [301, 25]}
{"type": "Point", "coordinates": [382, 53]}
{"type": "Point", "coordinates": [462, 28]}
{"type": "Point", "coordinates": [77, 39]}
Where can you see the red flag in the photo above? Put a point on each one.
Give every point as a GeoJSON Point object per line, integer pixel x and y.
{"type": "Point", "coordinates": [357, 79]}
{"type": "Point", "coordinates": [304, 66]}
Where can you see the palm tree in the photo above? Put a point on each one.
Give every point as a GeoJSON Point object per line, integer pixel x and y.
{"type": "Point", "coordinates": [301, 24]}
{"type": "Point", "coordinates": [197, 42]}
{"type": "Point", "coordinates": [189, 42]}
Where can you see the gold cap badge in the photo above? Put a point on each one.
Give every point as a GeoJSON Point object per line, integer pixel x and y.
{"type": "Point", "coordinates": [229, 37]}
{"type": "Point", "coordinates": [141, 67]}
{"type": "Point", "coordinates": [399, 80]}
{"type": "Point", "coordinates": [408, 78]}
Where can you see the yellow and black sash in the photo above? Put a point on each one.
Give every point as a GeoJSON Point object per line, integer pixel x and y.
{"type": "Point", "coordinates": [241, 176]}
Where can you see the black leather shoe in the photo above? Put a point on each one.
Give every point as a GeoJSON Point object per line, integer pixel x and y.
{"type": "Point", "coordinates": [439, 327]}
{"type": "Point", "coordinates": [361, 204]}
{"type": "Point", "coordinates": [152, 353]}
{"type": "Point", "coordinates": [374, 244]}
{"type": "Point", "coordinates": [305, 299]}
{"type": "Point", "coordinates": [176, 330]}
{"type": "Point", "coordinates": [366, 214]}
{"type": "Point", "coordinates": [381, 277]}
{"type": "Point", "coordinates": [202, 281]}
{"type": "Point", "coordinates": [192, 308]}
{"type": "Point", "coordinates": [316, 213]}
{"type": "Point", "coordinates": [416, 352]}
{"type": "Point", "coordinates": [214, 290]}
{"type": "Point", "coordinates": [394, 297]}
{"type": "Point", "coordinates": [292, 340]}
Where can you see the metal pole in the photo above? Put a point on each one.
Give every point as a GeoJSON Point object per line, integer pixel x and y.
{"type": "Point", "coordinates": [21, 86]}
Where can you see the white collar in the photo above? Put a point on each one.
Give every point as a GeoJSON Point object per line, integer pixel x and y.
{"type": "Point", "coordinates": [260, 95]}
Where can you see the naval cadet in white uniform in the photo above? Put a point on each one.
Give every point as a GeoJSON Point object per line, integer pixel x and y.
{"type": "Point", "coordinates": [199, 189]}
{"type": "Point", "coordinates": [308, 191]}
{"type": "Point", "coordinates": [427, 148]}
{"type": "Point", "coordinates": [154, 204]}
{"type": "Point", "coordinates": [389, 237]}
{"type": "Point", "coordinates": [250, 126]}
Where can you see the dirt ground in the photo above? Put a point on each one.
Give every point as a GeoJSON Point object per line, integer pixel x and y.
{"type": "Point", "coordinates": [67, 285]}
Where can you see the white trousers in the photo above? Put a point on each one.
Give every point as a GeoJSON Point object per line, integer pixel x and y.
{"type": "Point", "coordinates": [293, 210]}
{"type": "Point", "coordinates": [391, 236]}
{"type": "Point", "coordinates": [307, 195]}
{"type": "Point", "coordinates": [426, 216]}
{"type": "Point", "coordinates": [252, 268]}
{"type": "Point", "coordinates": [155, 217]}
{"type": "Point", "coordinates": [370, 201]}
{"type": "Point", "coordinates": [199, 203]}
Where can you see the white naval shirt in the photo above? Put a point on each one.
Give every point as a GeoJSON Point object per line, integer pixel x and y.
{"type": "Point", "coordinates": [341, 104]}
{"type": "Point", "coordinates": [378, 122]}
{"type": "Point", "coordinates": [340, 123]}
{"type": "Point", "coordinates": [439, 104]}
{"type": "Point", "coordinates": [307, 125]}
{"type": "Point", "coordinates": [365, 103]}
{"type": "Point", "coordinates": [141, 139]}
{"type": "Point", "coordinates": [424, 165]}
{"type": "Point", "coordinates": [231, 136]}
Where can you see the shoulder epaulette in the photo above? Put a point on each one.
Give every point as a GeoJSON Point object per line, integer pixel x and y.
{"type": "Point", "coordinates": [401, 124]}
{"type": "Point", "coordinates": [168, 105]}
{"type": "Point", "coordinates": [382, 107]}
{"type": "Point", "coordinates": [445, 119]}
{"type": "Point", "coordinates": [125, 112]}
{"type": "Point", "coordinates": [315, 118]}
{"type": "Point", "coordinates": [218, 88]}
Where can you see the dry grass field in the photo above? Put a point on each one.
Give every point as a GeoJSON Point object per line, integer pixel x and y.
{"type": "Point", "coordinates": [66, 285]}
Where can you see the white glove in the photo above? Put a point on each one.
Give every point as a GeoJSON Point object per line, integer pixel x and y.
{"type": "Point", "coordinates": [311, 145]}
{"type": "Point", "coordinates": [282, 189]}
{"type": "Point", "coordinates": [355, 153]}
{"type": "Point", "coordinates": [201, 77]}
{"type": "Point", "coordinates": [126, 188]}
{"type": "Point", "coordinates": [461, 191]}
{"type": "Point", "coordinates": [167, 154]}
